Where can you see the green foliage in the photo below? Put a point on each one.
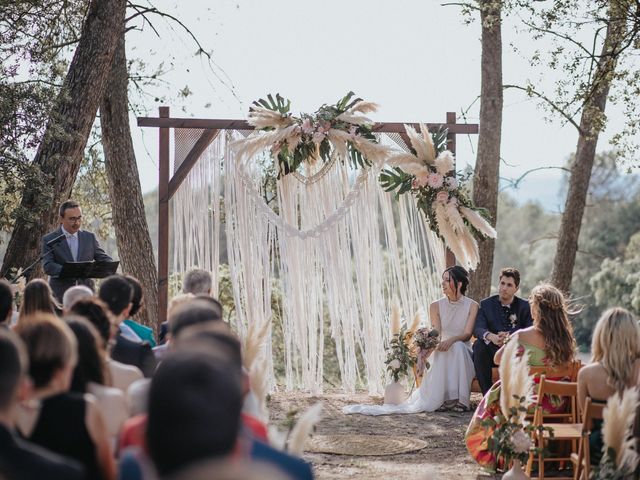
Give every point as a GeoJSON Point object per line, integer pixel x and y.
{"type": "Point", "coordinates": [35, 37]}
{"type": "Point", "coordinates": [502, 442]}
{"type": "Point", "coordinates": [325, 118]}
{"type": "Point", "coordinates": [608, 252]}
{"type": "Point", "coordinates": [399, 358]}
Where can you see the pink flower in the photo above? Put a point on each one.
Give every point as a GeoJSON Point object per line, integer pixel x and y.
{"type": "Point", "coordinates": [435, 180]}
{"type": "Point", "coordinates": [352, 130]}
{"type": "Point", "coordinates": [453, 201]}
{"type": "Point", "coordinates": [442, 196]}
{"type": "Point", "coordinates": [420, 180]}
{"type": "Point", "coordinates": [307, 126]}
{"type": "Point", "coordinates": [326, 126]}
{"type": "Point", "coordinates": [452, 183]}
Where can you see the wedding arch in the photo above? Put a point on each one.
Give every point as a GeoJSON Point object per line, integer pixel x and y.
{"type": "Point", "coordinates": [336, 245]}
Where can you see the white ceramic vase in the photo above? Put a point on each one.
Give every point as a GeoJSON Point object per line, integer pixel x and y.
{"type": "Point", "coordinates": [394, 393]}
{"type": "Point", "coordinates": [515, 472]}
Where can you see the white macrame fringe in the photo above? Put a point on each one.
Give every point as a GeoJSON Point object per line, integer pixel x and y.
{"type": "Point", "coordinates": [339, 248]}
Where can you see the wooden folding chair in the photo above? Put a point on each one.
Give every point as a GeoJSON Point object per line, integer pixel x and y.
{"type": "Point", "coordinates": [582, 460]}
{"type": "Point", "coordinates": [564, 424]}
{"type": "Point", "coordinates": [568, 371]}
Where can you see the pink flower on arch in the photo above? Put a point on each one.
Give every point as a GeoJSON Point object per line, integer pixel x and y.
{"type": "Point", "coordinates": [452, 183]}
{"type": "Point", "coordinates": [435, 180]}
{"type": "Point", "coordinates": [442, 196]}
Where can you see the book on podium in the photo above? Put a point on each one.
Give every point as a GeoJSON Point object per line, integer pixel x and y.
{"type": "Point", "coordinates": [91, 269]}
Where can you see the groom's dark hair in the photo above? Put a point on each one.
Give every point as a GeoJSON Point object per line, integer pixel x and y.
{"type": "Point", "coordinates": [511, 272]}
{"type": "Point", "coordinates": [459, 276]}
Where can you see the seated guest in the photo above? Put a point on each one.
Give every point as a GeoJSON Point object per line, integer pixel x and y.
{"type": "Point", "coordinates": [189, 311]}
{"type": "Point", "coordinates": [37, 298]}
{"type": "Point", "coordinates": [72, 295]}
{"type": "Point", "coordinates": [69, 424]}
{"type": "Point", "coordinates": [615, 357]}
{"type": "Point", "coordinates": [121, 376]}
{"type": "Point", "coordinates": [164, 328]}
{"type": "Point", "coordinates": [549, 342]}
{"type": "Point", "coordinates": [138, 332]}
{"type": "Point", "coordinates": [116, 293]}
{"type": "Point", "coordinates": [6, 303]}
{"type": "Point", "coordinates": [194, 411]}
{"type": "Point", "coordinates": [20, 459]}
{"type": "Point", "coordinates": [499, 316]}
{"type": "Point", "coordinates": [197, 281]}
{"type": "Point", "coordinates": [90, 374]}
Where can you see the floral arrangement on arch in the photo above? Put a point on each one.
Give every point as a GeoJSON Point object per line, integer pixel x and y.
{"type": "Point", "coordinates": [429, 174]}
{"type": "Point", "coordinates": [511, 438]}
{"type": "Point", "coordinates": [308, 138]}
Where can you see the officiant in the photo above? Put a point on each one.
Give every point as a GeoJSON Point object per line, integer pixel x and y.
{"type": "Point", "coordinates": [69, 243]}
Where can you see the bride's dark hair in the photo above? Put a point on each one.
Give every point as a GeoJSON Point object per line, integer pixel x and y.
{"type": "Point", "coordinates": [459, 276]}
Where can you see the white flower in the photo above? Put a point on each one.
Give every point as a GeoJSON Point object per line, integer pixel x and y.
{"type": "Point", "coordinates": [521, 442]}
{"type": "Point", "coordinates": [395, 364]}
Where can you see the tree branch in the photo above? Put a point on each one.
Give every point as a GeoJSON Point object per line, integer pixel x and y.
{"type": "Point", "coordinates": [531, 91]}
{"type": "Point", "coordinates": [515, 183]}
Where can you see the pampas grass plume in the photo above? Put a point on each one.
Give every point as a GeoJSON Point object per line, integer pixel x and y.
{"type": "Point", "coordinates": [417, 320]}
{"type": "Point", "coordinates": [516, 381]}
{"type": "Point", "coordinates": [478, 222]}
{"type": "Point", "coordinates": [418, 144]}
{"type": "Point", "coordinates": [254, 341]}
{"type": "Point", "coordinates": [365, 107]}
{"type": "Point", "coordinates": [395, 321]}
{"type": "Point", "coordinates": [428, 142]}
{"type": "Point", "coordinates": [444, 162]}
{"type": "Point", "coordinates": [303, 428]}
{"type": "Point", "coordinates": [258, 380]}
{"type": "Point", "coordinates": [618, 419]}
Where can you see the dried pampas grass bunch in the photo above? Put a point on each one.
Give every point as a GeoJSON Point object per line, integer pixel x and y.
{"type": "Point", "coordinates": [303, 429]}
{"type": "Point", "coordinates": [618, 419]}
{"type": "Point", "coordinates": [395, 321]}
{"type": "Point", "coordinates": [516, 382]}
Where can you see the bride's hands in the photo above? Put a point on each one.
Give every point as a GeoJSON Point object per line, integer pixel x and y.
{"type": "Point", "coordinates": [445, 345]}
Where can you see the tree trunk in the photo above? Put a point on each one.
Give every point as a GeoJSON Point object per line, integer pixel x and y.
{"type": "Point", "coordinates": [129, 220]}
{"type": "Point", "coordinates": [60, 153]}
{"type": "Point", "coordinates": [486, 173]}
{"type": "Point", "coordinates": [592, 122]}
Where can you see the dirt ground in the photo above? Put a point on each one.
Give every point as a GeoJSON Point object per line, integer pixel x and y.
{"type": "Point", "coordinates": [445, 457]}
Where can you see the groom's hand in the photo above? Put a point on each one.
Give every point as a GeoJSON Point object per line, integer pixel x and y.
{"type": "Point", "coordinates": [497, 339]}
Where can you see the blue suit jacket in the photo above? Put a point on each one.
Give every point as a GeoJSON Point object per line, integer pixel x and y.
{"type": "Point", "coordinates": [491, 318]}
{"type": "Point", "coordinates": [56, 255]}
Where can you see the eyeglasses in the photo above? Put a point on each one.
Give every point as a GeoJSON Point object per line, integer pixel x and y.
{"type": "Point", "coordinates": [75, 219]}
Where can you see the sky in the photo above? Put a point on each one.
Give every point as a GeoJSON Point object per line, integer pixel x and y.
{"type": "Point", "coordinates": [416, 59]}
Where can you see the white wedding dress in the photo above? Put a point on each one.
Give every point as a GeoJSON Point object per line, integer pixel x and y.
{"type": "Point", "coordinates": [451, 372]}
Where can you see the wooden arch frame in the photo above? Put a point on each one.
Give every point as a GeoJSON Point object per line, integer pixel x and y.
{"type": "Point", "coordinates": [168, 185]}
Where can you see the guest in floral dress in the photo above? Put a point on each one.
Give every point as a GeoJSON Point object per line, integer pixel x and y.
{"type": "Point", "coordinates": [549, 342]}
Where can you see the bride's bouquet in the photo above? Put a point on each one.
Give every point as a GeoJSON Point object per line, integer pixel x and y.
{"type": "Point", "coordinates": [425, 341]}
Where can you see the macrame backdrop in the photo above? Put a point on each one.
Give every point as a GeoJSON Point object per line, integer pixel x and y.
{"type": "Point", "coordinates": [339, 247]}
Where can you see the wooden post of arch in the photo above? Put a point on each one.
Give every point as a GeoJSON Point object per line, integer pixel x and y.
{"type": "Point", "coordinates": [168, 184]}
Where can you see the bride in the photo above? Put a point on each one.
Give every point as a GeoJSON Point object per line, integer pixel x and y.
{"type": "Point", "coordinates": [447, 384]}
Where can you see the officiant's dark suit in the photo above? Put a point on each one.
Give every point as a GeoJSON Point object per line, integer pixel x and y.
{"type": "Point", "coordinates": [85, 246]}
{"type": "Point", "coordinates": [493, 317]}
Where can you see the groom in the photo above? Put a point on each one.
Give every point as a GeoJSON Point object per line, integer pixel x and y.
{"type": "Point", "coordinates": [499, 315]}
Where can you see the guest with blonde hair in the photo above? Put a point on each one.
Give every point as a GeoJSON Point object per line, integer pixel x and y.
{"type": "Point", "coordinates": [615, 357]}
